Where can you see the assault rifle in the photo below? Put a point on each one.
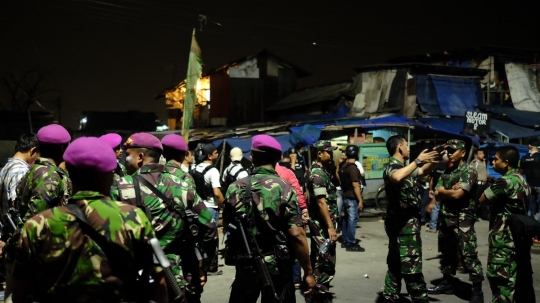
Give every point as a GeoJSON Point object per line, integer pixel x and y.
{"type": "Point", "coordinates": [192, 258]}
{"type": "Point", "coordinates": [10, 220]}
{"type": "Point", "coordinates": [161, 259]}
{"type": "Point", "coordinates": [254, 254]}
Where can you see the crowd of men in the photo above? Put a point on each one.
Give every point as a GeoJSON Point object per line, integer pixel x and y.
{"type": "Point", "coordinates": [79, 226]}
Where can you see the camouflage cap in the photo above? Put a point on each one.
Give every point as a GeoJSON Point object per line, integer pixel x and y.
{"type": "Point", "coordinates": [455, 144]}
{"type": "Point", "coordinates": [175, 141]}
{"type": "Point", "coordinates": [53, 134]}
{"type": "Point", "coordinates": [324, 145]}
{"type": "Point", "coordinates": [114, 140]}
{"type": "Point", "coordinates": [144, 140]}
{"type": "Point", "coordinates": [90, 154]}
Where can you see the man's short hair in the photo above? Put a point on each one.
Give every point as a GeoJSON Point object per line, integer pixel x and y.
{"type": "Point", "coordinates": [478, 150]}
{"type": "Point", "coordinates": [393, 142]}
{"type": "Point", "coordinates": [26, 142]}
{"type": "Point", "coordinates": [534, 142]}
{"type": "Point", "coordinates": [510, 154]}
{"type": "Point", "coordinates": [172, 153]}
{"type": "Point", "coordinates": [286, 155]}
{"type": "Point", "coordinates": [149, 153]}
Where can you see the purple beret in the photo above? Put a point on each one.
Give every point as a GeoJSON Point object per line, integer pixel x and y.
{"type": "Point", "coordinates": [53, 134]}
{"type": "Point", "coordinates": [265, 142]}
{"type": "Point", "coordinates": [114, 140]}
{"type": "Point", "coordinates": [90, 154]}
{"type": "Point", "coordinates": [144, 140]}
{"type": "Point", "coordinates": [175, 141]}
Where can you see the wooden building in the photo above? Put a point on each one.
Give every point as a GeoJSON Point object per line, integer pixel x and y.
{"type": "Point", "coordinates": [236, 93]}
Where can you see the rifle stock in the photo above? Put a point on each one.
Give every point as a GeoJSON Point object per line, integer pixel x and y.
{"type": "Point", "coordinates": [160, 258]}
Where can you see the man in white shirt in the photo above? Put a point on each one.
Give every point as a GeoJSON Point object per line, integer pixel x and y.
{"type": "Point", "coordinates": [235, 171]}
{"type": "Point", "coordinates": [188, 161]}
{"type": "Point", "coordinates": [362, 174]}
{"type": "Point", "coordinates": [26, 152]}
{"type": "Point", "coordinates": [211, 193]}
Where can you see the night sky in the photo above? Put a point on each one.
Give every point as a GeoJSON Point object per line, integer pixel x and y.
{"type": "Point", "coordinates": [117, 55]}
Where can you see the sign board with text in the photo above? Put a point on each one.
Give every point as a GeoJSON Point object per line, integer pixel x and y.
{"type": "Point", "coordinates": [476, 124]}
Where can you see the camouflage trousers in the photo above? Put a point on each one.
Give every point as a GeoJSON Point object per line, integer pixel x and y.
{"type": "Point", "coordinates": [324, 265]}
{"type": "Point", "coordinates": [461, 238]}
{"type": "Point", "coordinates": [176, 269]}
{"type": "Point", "coordinates": [509, 269]}
{"type": "Point", "coordinates": [405, 262]}
{"type": "Point", "coordinates": [246, 287]}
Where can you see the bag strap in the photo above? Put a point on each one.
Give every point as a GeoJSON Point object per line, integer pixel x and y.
{"type": "Point", "coordinates": [238, 172]}
{"type": "Point", "coordinates": [168, 201]}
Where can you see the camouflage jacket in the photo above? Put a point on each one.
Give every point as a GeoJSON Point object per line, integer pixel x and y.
{"type": "Point", "coordinates": [508, 196]}
{"type": "Point", "coordinates": [175, 169]}
{"type": "Point", "coordinates": [43, 187]}
{"type": "Point", "coordinates": [167, 224]}
{"type": "Point", "coordinates": [320, 184]}
{"type": "Point", "coordinates": [56, 258]}
{"type": "Point", "coordinates": [120, 171]}
{"type": "Point", "coordinates": [403, 210]}
{"type": "Point", "coordinates": [275, 199]}
{"type": "Point", "coordinates": [467, 176]}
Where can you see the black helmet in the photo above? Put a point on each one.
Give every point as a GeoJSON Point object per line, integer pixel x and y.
{"type": "Point", "coordinates": [352, 151]}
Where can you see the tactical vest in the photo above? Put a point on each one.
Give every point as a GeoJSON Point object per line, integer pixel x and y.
{"type": "Point", "coordinates": [204, 190]}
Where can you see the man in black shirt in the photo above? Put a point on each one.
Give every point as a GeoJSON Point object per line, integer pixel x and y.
{"type": "Point", "coordinates": [530, 167]}
{"type": "Point", "coordinates": [349, 175]}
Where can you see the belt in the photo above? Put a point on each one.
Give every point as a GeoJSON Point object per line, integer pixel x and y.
{"type": "Point", "coordinates": [481, 182]}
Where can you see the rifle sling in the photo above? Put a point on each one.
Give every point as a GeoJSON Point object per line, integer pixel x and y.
{"type": "Point", "coordinates": [165, 199]}
{"type": "Point", "coordinates": [113, 258]}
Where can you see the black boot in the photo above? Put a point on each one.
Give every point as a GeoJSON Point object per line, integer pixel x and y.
{"type": "Point", "coordinates": [444, 288]}
{"type": "Point", "coordinates": [477, 294]}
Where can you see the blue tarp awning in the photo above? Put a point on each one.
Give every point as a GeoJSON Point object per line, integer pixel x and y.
{"type": "Point", "coordinates": [457, 95]}
{"type": "Point", "coordinates": [512, 131]}
{"type": "Point", "coordinates": [455, 126]}
{"type": "Point", "coordinates": [447, 96]}
{"type": "Point", "coordinates": [245, 143]}
{"type": "Point", "coordinates": [391, 120]}
{"type": "Point", "coordinates": [451, 126]}
{"type": "Point", "coordinates": [520, 117]}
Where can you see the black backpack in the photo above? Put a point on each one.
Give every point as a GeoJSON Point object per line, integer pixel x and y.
{"type": "Point", "coordinates": [230, 178]}
{"type": "Point", "coordinates": [204, 190]}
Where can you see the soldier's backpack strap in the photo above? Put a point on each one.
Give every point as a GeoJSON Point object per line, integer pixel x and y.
{"type": "Point", "coordinates": [168, 201]}
{"type": "Point", "coordinates": [138, 199]}
{"type": "Point", "coordinates": [121, 267]}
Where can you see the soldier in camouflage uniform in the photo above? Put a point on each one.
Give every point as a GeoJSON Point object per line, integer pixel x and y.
{"type": "Point", "coordinates": [175, 151]}
{"type": "Point", "coordinates": [455, 190]}
{"type": "Point", "coordinates": [323, 223]}
{"type": "Point", "coordinates": [115, 141]}
{"type": "Point", "coordinates": [80, 270]}
{"type": "Point", "coordinates": [277, 206]}
{"type": "Point", "coordinates": [509, 256]}
{"type": "Point", "coordinates": [46, 185]}
{"type": "Point", "coordinates": [402, 223]}
{"type": "Point", "coordinates": [143, 153]}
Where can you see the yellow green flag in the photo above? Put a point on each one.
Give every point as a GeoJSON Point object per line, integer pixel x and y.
{"type": "Point", "coordinates": [193, 74]}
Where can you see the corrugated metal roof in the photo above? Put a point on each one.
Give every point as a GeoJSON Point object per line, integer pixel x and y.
{"type": "Point", "coordinates": [313, 95]}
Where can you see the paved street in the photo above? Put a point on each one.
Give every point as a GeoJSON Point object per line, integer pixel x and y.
{"type": "Point", "coordinates": [349, 285]}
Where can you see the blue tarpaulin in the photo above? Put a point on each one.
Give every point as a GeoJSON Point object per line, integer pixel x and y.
{"type": "Point", "coordinates": [245, 143]}
{"type": "Point", "coordinates": [427, 96]}
{"type": "Point", "coordinates": [307, 134]}
{"type": "Point", "coordinates": [521, 117]}
{"type": "Point", "coordinates": [455, 126]}
{"type": "Point", "coordinates": [365, 123]}
{"type": "Point", "coordinates": [457, 95]}
{"type": "Point", "coordinates": [446, 125]}
{"type": "Point", "coordinates": [512, 131]}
